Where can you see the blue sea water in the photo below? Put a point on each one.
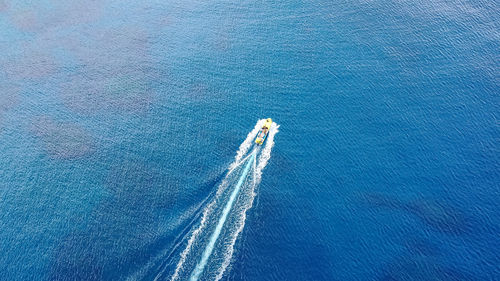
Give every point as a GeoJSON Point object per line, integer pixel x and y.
{"type": "Point", "coordinates": [119, 121]}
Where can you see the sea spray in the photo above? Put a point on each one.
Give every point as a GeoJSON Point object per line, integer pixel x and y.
{"type": "Point", "coordinates": [265, 155]}
{"type": "Point", "coordinates": [210, 246]}
{"type": "Point", "coordinates": [246, 144]}
{"type": "Point", "coordinates": [223, 248]}
{"type": "Point", "coordinates": [206, 213]}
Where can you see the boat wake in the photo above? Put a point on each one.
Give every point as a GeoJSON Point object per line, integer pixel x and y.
{"type": "Point", "coordinates": [209, 246]}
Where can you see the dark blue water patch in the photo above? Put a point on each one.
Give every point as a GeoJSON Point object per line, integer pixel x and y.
{"type": "Point", "coordinates": [59, 204]}
{"type": "Point", "coordinates": [142, 186]}
{"type": "Point", "coordinates": [97, 254]}
{"type": "Point", "coordinates": [464, 235]}
{"type": "Point", "coordinates": [76, 12]}
{"type": "Point", "coordinates": [63, 140]}
{"type": "Point", "coordinates": [439, 215]}
{"type": "Point", "coordinates": [129, 44]}
{"type": "Point", "coordinates": [298, 256]}
{"type": "Point", "coordinates": [88, 97]}
{"type": "Point", "coordinates": [10, 98]}
{"type": "Point", "coordinates": [38, 17]}
{"type": "Point", "coordinates": [423, 268]}
{"type": "Point", "coordinates": [3, 6]}
{"type": "Point", "coordinates": [124, 86]}
{"type": "Point", "coordinates": [422, 247]}
{"type": "Point", "coordinates": [32, 65]}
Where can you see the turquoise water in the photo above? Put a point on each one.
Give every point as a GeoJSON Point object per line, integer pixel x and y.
{"type": "Point", "coordinates": [120, 122]}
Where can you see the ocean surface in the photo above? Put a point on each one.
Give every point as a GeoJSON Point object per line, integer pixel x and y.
{"type": "Point", "coordinates": [127, 127]}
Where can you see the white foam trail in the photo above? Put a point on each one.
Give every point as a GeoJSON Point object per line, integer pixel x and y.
{"type": "Point", "coordinates": [215, 235]}
{"type": "Point", "coordinates": [246, 144]}
{"type": "Point", "coordinates": [191, 240]}
{"type": "Point", "coordinates": [263, 159]}
{"type": "Point", "coordinates": [139, 274]}
{"type": "Point", "coordinates": [243, 149]}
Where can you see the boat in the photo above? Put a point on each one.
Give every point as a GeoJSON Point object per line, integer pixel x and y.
{"type": "Point", "coordinates": [261, 136]}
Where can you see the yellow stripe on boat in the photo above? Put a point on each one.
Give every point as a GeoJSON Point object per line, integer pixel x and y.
{"type": "Point", "coordinates": [261, 136]}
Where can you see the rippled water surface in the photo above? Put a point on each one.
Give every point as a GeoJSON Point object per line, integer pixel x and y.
{"type": "Point", "coordinates": [120, 122]}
